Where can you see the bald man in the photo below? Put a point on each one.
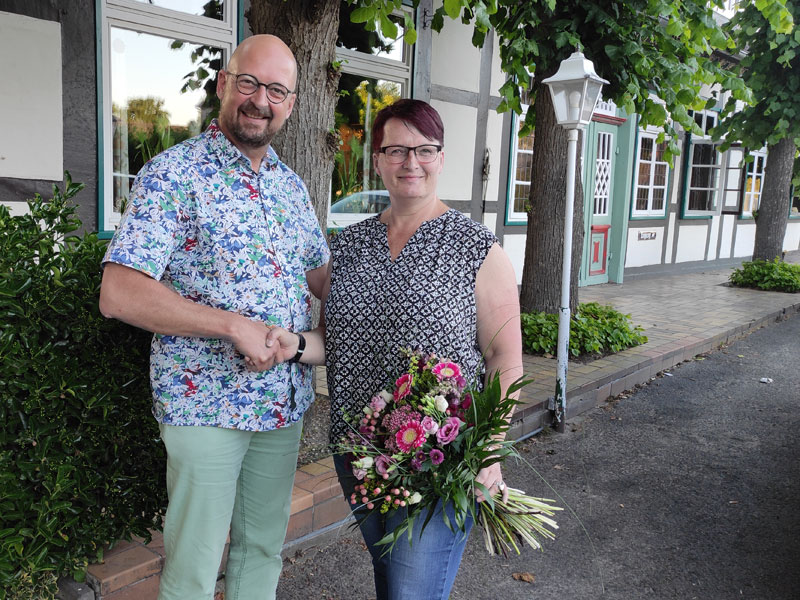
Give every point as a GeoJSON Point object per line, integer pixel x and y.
{"type": "Point", "coordinates": [218, 243]}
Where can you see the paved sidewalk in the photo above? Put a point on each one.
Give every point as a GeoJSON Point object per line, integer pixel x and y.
{"type": "Point", "coordinates": [682, 315]}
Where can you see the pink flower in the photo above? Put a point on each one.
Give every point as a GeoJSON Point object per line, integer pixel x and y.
{"type": "Point", "coordinates": [437, 456]}
{"type": "Point", "coordinates": [410, 436]}
{"type": "Point", "coordinates": [402, 387]}
{"type": "Point", "coordinates": [446, 370]}
{"type": "Point", "coordinates": [449, 431]}
{"type": "Point", "coordinates": [395, 419]}
{"type": "Point", "coordinates": [466, 402]}
{"type": "Point", "coordinates": [430, 425]}
{"type": "Point", "coordinates": [359, 473]}
{"type": "Point", "coordinates": [383, 463]}
{"type": "Point", "coordinates": [377, 404]}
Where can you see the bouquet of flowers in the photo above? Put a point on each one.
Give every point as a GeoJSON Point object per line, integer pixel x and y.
{"type": "Point", "coordinates": [425, 439]}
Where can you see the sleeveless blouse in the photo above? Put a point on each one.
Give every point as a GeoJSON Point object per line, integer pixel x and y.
{"type": "Point", "coordinates": [423, 300]}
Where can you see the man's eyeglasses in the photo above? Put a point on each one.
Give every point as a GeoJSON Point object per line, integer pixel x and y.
{"type": "Point", "coordinates": [398, 154]}
{"type": "Point", "coordinates": [248, 85]}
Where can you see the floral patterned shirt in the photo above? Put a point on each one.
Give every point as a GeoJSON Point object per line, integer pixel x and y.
{"type": "Point", "coordinates": [201, 221]}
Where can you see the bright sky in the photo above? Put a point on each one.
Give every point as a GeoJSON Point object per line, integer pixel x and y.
{"type": "Point", "coordinates": [144, 65]}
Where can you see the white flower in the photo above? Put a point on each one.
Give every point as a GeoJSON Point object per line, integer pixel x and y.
{"type": "Point", "coordinates": [440, 402]}
{"type": "Point", "coordinates": [414, 498]}
{"type": "Point", "coordinates": [365, 462]}
{"type": "Point", "coordinates": [386, 395]}
{"type": "Point", "coordinates": [368, 411]}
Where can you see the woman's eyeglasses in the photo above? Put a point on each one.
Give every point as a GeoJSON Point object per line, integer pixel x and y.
{"type": "Point", "coordinates": [398, 154]}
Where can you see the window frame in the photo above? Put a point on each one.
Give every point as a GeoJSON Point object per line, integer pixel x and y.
{"type": "Point", "coordinates": [152, 20]}
{"type": "Point", "coordinates": [515, 217]}
{"type": "Point", "coordinates": [649, 212]}
{"type": "Point", "coordinates": [743, 193]}
{"type": "Point", "coordinates": [692, 141]}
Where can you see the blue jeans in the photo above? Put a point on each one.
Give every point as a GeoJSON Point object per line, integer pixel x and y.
{"type": "Point", "coordinates": [424, 570]}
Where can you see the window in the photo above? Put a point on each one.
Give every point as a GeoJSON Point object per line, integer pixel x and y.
{"type": "Point", "coordinates": [650, 190]}
{"type": "Point", "coordinates": [703, 168]}
{"type": "Point", "coordinates": [753, 182]}
{"type": "Point", "coordinates": [160, 60]}
{"type": "Point", "coordinates": [375, 73]}
{"type": "Point", "coordinates": [794, 209]}
{"type": "Point", "coordinates": [521, 169]}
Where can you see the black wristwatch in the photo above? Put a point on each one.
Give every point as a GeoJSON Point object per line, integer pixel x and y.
{"type": "Point", "coordinates": [301, 347]}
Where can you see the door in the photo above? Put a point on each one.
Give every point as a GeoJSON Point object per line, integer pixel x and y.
{"type": "Point", "coordinates": [598, 202]}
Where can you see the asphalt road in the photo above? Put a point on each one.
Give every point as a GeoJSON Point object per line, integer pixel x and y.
{"type": "Point", "coordinates": [688, 488]}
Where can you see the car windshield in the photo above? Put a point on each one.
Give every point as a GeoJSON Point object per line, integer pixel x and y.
{"type": "Point", "coordinates": [371, 202]}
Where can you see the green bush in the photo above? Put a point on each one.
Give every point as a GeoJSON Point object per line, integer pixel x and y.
{"type": "Point", "coordinates": [768, 275]}
{"type": "Point", "coordinates": [594, 329]}
{"type": "Point", "coordinates": [81, 465]}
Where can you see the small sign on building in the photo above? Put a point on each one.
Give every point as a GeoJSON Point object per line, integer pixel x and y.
{"type": "Point", "coordinates": [647, 235]}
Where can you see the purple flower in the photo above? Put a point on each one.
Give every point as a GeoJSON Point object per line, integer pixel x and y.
{"type": "Point", "coordinates": [449, 431]}
{"type": "Point", "coordinates": [416, 464]}
{"type": "Point", "coordinates": [359, 473]}
{"type": "Point", "coordinates": [382, 464]}
{"type": "Point", "coordinates": [437, 456]}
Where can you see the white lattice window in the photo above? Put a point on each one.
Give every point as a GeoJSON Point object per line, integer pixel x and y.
{"type": "Point", "coordinates": [650, 189]}
{"type": "Point", "coordinates": [704, 168]}
{"type": "Point", "coordinates": [753, 182]}
{"type": "Point", "coordinates": [520, 171]}
{"type": "Point", "coordinates": [602, 173]}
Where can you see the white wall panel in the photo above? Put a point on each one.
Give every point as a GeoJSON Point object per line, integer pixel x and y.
{"type": "Point", "coordinates": [644, 252]}
{"type": "Point", "coordinates": [455, 62]}
{"type": "Point", "coordinates": [691, 243]}
{"type": "Point", "coordinates": [455, 182]}
{"type": "Point", "coordinates": [791, 240]}
{"type": "Point", "coordinates": [31, 116]}
{"type": "Point", "coordinates": [745, 239]}
{"type": "Point", "coordinates": [728, 223]}
{"type": "Point", "coordinates": [714, 233]}
{"type": "Point", "coordinates": [514, 245]}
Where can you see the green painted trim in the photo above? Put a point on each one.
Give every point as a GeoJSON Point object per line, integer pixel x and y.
{"type": "Point", "coordinates": [634, 170]}
{"type": "Point", "coordinates": [98, 11]}
{"type": "Point", "coordinates": [661, 218]}
{"type": "Point", "coordinates": [240, 22]}
{"type": "Point", "coordinates": [512, 153]}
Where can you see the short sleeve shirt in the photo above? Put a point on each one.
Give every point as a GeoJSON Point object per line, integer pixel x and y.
{"type": "Point", "coordinates": [424, 299]}
{"type": "Point", "coordinates": [202, 222]}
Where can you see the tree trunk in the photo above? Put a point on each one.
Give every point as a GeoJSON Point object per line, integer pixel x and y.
{"type": "Point", "coordinates": [307, 141]}
{"type": "Point", "coordinates": [773, 209]}
{"type": "Point", "coordinates": [541, 275]}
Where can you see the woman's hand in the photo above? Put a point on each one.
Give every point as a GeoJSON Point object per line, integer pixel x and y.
{"type": "Point", "coordinates": [282, 343]}
{"type": "Point", "coordinates": [492, 478]}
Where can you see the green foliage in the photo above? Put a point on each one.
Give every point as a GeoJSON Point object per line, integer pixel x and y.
{"type": "Point", "coordinates": [771, 69]}
{"type": "Point", "coordinates": [594, 329]}
{"type": "Point", "coordinates": [768, 275]}
{"type": "Point", "coordinates": [656, 54]}
{"type": "Point", "coordinates": [80, 463]}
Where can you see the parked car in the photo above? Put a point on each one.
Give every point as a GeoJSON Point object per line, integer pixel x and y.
{"type": "Point", "coordinates": [356, 207]}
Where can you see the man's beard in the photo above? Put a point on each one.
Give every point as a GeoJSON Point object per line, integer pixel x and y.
{"type": "Point", "coordinates": [249, 137]}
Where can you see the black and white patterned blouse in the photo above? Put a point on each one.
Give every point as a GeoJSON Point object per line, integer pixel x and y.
{"type": "Point", "coordinates": [424, 299]}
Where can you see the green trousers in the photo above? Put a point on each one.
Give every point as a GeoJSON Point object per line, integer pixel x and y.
{"type": "Point", "coordinates": [220, 479]}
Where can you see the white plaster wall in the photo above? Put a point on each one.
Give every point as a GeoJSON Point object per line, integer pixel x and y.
{"type": "Point", "coordinates": [514, 245]}
{"type": "Point", "coordinates": [498, 76]}
{"type": "Point", "coordinates": [644, 252]}
{"type": "Point", "coordinates": [691, 243]}
{"type": "Point", "coordinates": [16, 208]}
{"type": "Point", "coordinates": [31, 116]}
{"type": "Point", "coordinates": [745, 239]}
{"type": "Point", "coordinates": [490, 220]}
{"type": "Point", "coordinates": [455, 182]}
{"type": "Point", "coordinates": [494, 143]}
{"type": "Point", "coordinates": [728, 223]}
{"type": "Point", "coordinates": [455, 62]}
{"type": "Point", "coordinates": [714, 233]}
{"type": "Point", "coordinates": [791, 240]}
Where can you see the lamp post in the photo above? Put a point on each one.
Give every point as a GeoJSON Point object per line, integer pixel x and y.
{"type": "Point", "coordinates": [574, 89]}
